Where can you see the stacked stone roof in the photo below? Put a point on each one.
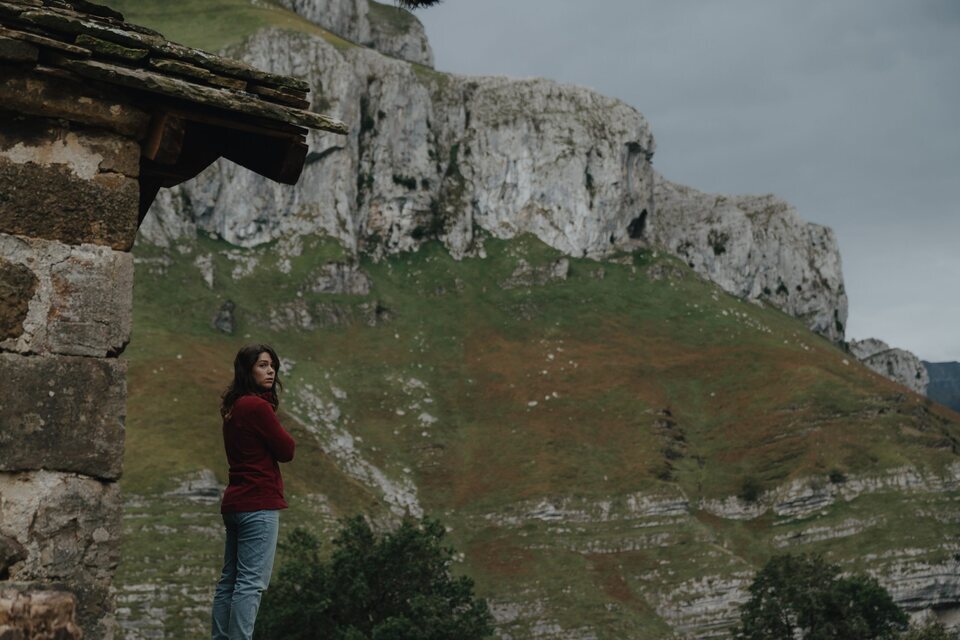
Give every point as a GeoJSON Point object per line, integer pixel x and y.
{"type": "Point", "coordinates": [94, 42]}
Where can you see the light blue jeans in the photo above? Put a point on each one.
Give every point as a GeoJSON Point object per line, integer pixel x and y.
{"type": "Point", "coordinates": [247, 565]}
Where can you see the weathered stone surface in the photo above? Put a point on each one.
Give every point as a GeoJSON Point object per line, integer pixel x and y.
{"type": "Point", "coordinates": [158, 83]}
{"type": "Point", "coordinates": [435, 156]}
{"type": "Point", "coordinates": [188, 70]}
{"type": "Point", "coordinates": [85, 152]}
{"type": "Point", "coordinates": [755, 247]}
{"type": "Point", "coordinates": [62, 413]}
{"type": "Point", "coordinates": [81, 301]}
{"type": "Point", "coordinates": [165, 228]}
{"type": "Point", "coordinates": [17, 286]}
{"type": "Point", "coordinates": [40, 94]}
{"type": "Point", "coordinates": [297, 315]}
{"type": "Point", "coordinates": [898, 365]}
{"type": "Point", "coordinates": [341, 278]}
{"type": "Point", "coordinates": [11, 552]}
{"type": "Point", "coordinates": [384, 27]}
{"type": "Point", "coordinates": [286, 97]}
{"type": "Point", "coordinates": [104, 31]}
{"type": "Point", "coordinates": [70, 528]}
{"type": "Point", "coordinates": [68, 22]}
{"type": "Point", "coordinates": [43, 41]}
{"type": "Point", "coordinates": [111, 49]}
{"type": "Point", "coordinates": [224, 321]}
{"type": "Point", "coordinates": [808, 496]}
{"type": "Point", "coordinates": [231, 67]}
{"type": "Point", "coordinates": [346, 18]}
{"type": "Point", "coordinates": [526, 275]}
{"type": "Point", "coordinates": [201, 486]}
{"type": "Point", "coordinates": [87, 21]}
{"type": "Point", "coordinates": [14, 50]}
{"type": "Point", "coordinates": [35, 612]}
{"type": "Point", "coordinates": [398, 33]}
{"type": "Point", "coordinates": [867, 347]}
{"type": "Point", "coordinates": [57, 191]}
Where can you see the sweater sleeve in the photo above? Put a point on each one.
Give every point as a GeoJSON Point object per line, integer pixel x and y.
{"type": "Point", "coordinates": [280, 444]}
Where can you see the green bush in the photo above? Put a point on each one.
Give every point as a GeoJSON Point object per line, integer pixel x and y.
{"type": "Point", "coordinates": [805, 597]}
{"type": "Point", "coordinates": [394, 586]}
{"type": "Point", "coordinates": [750, 490]}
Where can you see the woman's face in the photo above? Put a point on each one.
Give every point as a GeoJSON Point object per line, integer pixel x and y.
{"type": "Point", "coordinates": [263, 373]}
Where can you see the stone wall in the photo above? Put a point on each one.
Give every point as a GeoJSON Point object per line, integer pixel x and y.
{"type": "Point", "coordinates": [39, 615]}
{"type": "Point", "coordinates": [69, 199]}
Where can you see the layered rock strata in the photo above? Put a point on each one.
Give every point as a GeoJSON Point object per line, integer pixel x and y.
{"type": "Point", "coordinates": [699, 595]}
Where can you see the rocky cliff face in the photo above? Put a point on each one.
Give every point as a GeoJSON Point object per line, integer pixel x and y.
{"type": "Point", "coordinates": [756, 247]}
{"type": "Point", "coordinates": [387, 29]}
{"type": "Point", "coordinates": [459, 159]}
{"type": "Point", "coordinates": [897, 364]}
{"type": "Point", "coordinates": [434, 156]}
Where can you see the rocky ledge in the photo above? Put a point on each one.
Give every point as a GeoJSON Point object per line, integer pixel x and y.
{"type": "Point", "coordinates": [896, 364]}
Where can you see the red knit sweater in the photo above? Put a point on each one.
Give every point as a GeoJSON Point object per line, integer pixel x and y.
{"type": "Point", "coordinates": [255, 442]}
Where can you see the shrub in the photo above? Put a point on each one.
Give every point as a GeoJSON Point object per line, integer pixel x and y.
{"type": "Point", "coordinates": [805, 597]}
{"type": "Point", "coordinates": [394, 586]}
{"type": "Point", "coordinates": [750, 490]}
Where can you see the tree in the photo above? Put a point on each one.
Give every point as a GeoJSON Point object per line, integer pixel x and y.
{"type": "Point", "coordinates": [394, 586]}
{"type": "Point", "coordinates": [805, 597]}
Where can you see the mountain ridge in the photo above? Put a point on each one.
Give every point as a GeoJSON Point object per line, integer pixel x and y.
{"type": "Point", "coordinates": [615, 442]}
{"type": "Point", "coordinates": [506, 157]}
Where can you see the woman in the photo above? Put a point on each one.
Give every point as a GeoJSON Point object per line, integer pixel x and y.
{"type": "Point", "coordinates": [255, 442]}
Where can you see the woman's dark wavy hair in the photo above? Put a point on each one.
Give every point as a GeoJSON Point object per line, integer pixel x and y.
{"type": "Point", "coordinates": [243, 383]}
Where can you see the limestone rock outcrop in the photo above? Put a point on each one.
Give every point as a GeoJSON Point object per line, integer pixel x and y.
{"type": "Point", "coordinates": [756, 247]}
{"type": "Point", "coordinates": [397, 33]}
{"type": "Point", "coordinates": [434, 155]}
{"type": "Point", "coordinates": [388, 29]}
{"type": "Point", "coordinates": [339, 278]}
{"type": "Point", "coordinates": [201, 487]}
{"type": "Point", "coordinates": [897, 364]}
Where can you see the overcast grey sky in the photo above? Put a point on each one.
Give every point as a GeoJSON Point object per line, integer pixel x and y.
{"type": "Point", "coordinates": [848, 109]}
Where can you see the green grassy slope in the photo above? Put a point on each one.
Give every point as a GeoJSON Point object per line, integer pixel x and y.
{"type": "Point", "coordinates": [214, 25]}
{"type": "Point", "coordinates": [557, 416]}
{"type": "Point", "coordinates": [554, 394]}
